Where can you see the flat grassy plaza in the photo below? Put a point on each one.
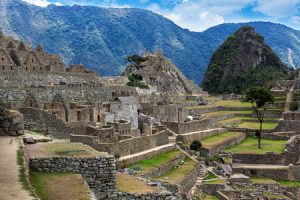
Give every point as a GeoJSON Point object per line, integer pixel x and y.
{"type": "Point", "coordinates": [256, 125]}
{"type": "Point", "coordinates": [249, 146]}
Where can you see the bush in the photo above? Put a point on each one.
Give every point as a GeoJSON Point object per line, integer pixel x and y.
{"type": "Point", "coordinates": [135, 80]}
{"type": "Point", "coordinates": [136, 58]}
{"type": "Point", "coordinates": [294, 106]}
{"type": "Point", "coordinates": [196, 145]}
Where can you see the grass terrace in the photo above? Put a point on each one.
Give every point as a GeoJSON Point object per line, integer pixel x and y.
{"type": "Point", "coordinates": [263, 180]}
{"type": "Point", "coordinates": [177, 173]}
{"type": "Point", "coordinates": [130, 184]}
{"type": "Point", "coordinates": [156, 161]}
{"type": "Point", "coordinates": [215, 140]}
{"type": "Point", "coordinates": [249, 146]}
{"type": "Point", "coordinates": [225, 112]}
{"type": "Point", "coordinates": [59, 186]}
{"type": "Point", "coordinates": [256, 125]}
{"type": "Point", "coordinates": [63, 148]}
{"type": "Point", "coordinates": [215, 181]}
{"type": "Point", "coordinates": [225, 103]}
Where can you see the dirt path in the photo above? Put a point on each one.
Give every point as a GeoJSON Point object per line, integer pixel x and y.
{"type": "Point", "coordinates": [10, 187]}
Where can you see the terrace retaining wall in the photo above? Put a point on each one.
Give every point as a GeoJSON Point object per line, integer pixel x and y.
{"type": "Point", "coordinates": [187, 127]}
{"type": "Point", "coordinates": [274, 173]}
{"type": "Point", "coordinates": [269, 158]}
{"type": "Point", "coordinates": [99, 173]}
{"type": "Point", "coordinates": [124, 147]}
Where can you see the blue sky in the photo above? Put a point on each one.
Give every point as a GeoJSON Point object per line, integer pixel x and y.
{"type": "Point", "coordinates": [198, 15]}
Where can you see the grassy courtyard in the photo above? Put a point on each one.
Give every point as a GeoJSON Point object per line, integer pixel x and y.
{"type": "Point", "coordinates": [249, 146]}
{"type": "Point", "coordinates": [256, 125]}
{"type": "Point", "coordinates": [156, 161]}
{"type": "Point", "coordinates": [59, 186]}
{"type": "Point", "coordinates": [177, 173]}
{"type": "Point", "coordinates": [212, 141]}
{"type": "Point", "coordinates": [128, 183]}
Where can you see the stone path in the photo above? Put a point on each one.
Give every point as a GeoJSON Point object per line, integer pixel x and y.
{"type": "Point", "coordinates": [10, 187]}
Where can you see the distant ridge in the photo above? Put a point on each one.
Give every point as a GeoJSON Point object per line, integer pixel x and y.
{"type": "Point", "coordinates": [101, 38]}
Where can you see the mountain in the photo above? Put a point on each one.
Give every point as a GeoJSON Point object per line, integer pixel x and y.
{"type": "Point", "coordinates": [242, 61]}
{"type": "Point", "coordinates": [101, 38]}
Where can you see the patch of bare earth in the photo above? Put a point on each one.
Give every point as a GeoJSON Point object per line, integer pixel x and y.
{"type": "Point", "coordinates": [10, 186]}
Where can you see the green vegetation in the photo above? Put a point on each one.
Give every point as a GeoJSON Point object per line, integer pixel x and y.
{"type": "Point", "coordinates": [256, 125]}
{"type": "Point", "coordinates": [22, 170]}
{"type": "Point", "coordinates": [248, 146]}
{"type": "Point", "coordinates": [136, 80]}
{"type": "Point", "coordinates": [212, 141]}
{"type": "Point", "coordinates": [136, 58]}
{"type": "Point", "coordinates": [262, 180]}
{"type": "Point", "coordinates": [155, 161]}
{"type": "Point", "coordinates": [289, 183]}
{"type": "Point", "coordinates": [273, 196]}
{"type": "Point", "coordinates": [294, 105]}
{"type": "Point", "coordinates": [259, 97]}
{"type": "Point", "coordinates": [217, 113]}
{"type": "Point", "coordinates": [59, 186]}
{"type": "Point", "coordinates": [210, 176]}
{"type": "Point", "coordinates": [224, 74]}
{"type": "Point", "coordinates": [195, 145]}
{"type": "Point", "coordinates": [177, 173]}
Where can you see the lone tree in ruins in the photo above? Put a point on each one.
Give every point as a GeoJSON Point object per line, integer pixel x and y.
{"type": "Point", "coordinates": [259, 97]}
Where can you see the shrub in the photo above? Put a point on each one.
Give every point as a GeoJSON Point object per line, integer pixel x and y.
{"type": "Point", "coordinates": [136, 58]}
{"type": "Point", "coordinates": [196, 145]}
{"type": "Point", "coordinates": [294, 106]}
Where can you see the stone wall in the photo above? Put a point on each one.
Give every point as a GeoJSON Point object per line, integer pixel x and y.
{"type": "Point", "coordinates": [125, 147]}
{"type": "Point", "coordinates": [206, 152]}
{"type": "Point", "coordinates": [211, 189]}
{"type": "Point", "coordinates": [187, 127]}
{"type": "Point", "coordinates": [287, 125]}
{"type": "Point", "coordinates": [189, 180]}
{"type": "Point", "coordinates": [154, 196]}
{"type": "Point", "coordinates": [189, 137]}
{"type": "Point", "coordinates": [11, 122]}
{"type": "Point", "coordinates": [99, 173]}
{"type": "Point", "coordinates": [269, 158]}
{"type": "Point", "coordinates": [280, 173]}
{"type": "Point", "coordinates": [56, 126]}
{"type": "Point", "coordinates": [164, 168]}
{"type": "Point", "coordinates": [200, 110]}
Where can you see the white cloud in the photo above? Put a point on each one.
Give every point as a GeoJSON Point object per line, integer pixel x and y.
{"type": "Point", "coordinates": [42, 3]}
{"type": "Point", "coordinates": [278, 8]}
{"type": "Point", "coordinates": [198, 15]}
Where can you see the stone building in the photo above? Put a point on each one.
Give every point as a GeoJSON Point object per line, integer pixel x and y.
{"type": "Point", "coordinates": [16, 55]}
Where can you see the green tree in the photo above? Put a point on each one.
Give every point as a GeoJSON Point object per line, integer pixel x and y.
{"type": "Point", "coordinates": [259, 97]}
{"type": "Point", "coordinates": [195, 145]}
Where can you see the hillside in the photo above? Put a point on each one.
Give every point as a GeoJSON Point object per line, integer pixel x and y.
{"type": "Point", "coordinates": [242, 61]}
{"type": "Point", "coordinates": [101, 38]}
{"type": "Point", "coordinates": [158, 72]}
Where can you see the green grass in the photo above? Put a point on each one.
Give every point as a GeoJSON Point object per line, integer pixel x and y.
{"type": "Point", "coordinates": [23, 178]}
{"type": "Point", "coordinates": [249, 146]}
{"type": "Point", "coordinates": [225, 103]}
{"type": "Point", "coordinates": [209, 197]}
{"type": "Point", "coordinates": [212, 141]}
{"type": "Point", "coordinates": [273, 196]}
{"type": "Point", "coordinates": [289, 183]}
{"type": "Point", "coordinates": [210, 176]}
{"type": "Point", "coordinates": [225, 112]}
{"type": "Point", "coordinates": [177, 173]}
{"type": "Point", "coordinates": [256, 125]}
{"type": "Point", "coordinates": [155, 161]}
{"type": "Point", "coordinates": [58, 186]}
{"type": "Point", "coordinates": [262, 180]}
